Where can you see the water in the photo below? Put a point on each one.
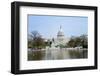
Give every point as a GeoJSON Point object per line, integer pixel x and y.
{"type": "Point", "coordinates": [57, 54]}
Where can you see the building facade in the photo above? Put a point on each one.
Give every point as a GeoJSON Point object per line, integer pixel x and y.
{"type": "Point", "coordinates": [60, 40]}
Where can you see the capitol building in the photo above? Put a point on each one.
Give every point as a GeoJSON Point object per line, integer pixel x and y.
{"type": "Point", "coordinates": [60, 39]}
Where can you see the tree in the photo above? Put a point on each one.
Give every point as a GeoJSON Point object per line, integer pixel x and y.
{"type": "Point", "coordinates": [37, 41]}
{"type": "Point", "coordinates": [48, 43]}
{"type": "Point", "coordinates": [84, 41]}
{"type": "Point", "coordinates": [29, 44]}
{"type": "Point", "coordinates": [78, 41]}
{"type": "Point", "coordinates": [71, 43]}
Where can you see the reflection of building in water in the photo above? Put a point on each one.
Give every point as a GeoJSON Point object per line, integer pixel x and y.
{"type": "Point", "coordinates": [60, 40]}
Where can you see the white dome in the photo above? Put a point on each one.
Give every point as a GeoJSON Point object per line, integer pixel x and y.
{"type": "Point", "coordinates": [60, 33]}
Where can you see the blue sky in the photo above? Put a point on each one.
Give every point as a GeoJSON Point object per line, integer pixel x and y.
{"type": "Point", "coordinates": [48, 26]}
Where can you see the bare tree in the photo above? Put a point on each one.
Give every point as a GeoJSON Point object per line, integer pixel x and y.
{"type": "Point", "coordinates": [37, 41]}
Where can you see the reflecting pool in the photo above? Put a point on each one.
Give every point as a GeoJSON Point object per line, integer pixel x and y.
{"type": "Point", "coordinates": [57, 54]}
